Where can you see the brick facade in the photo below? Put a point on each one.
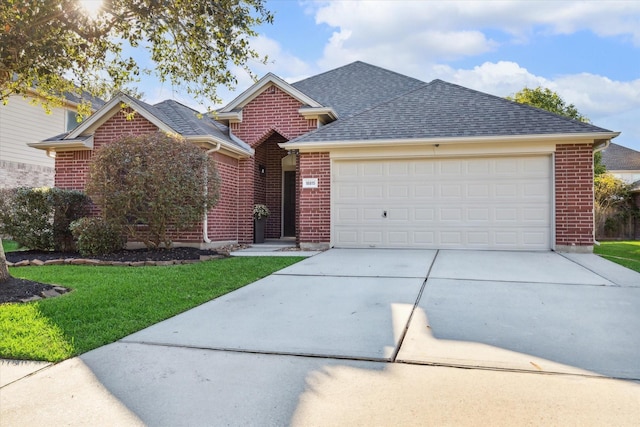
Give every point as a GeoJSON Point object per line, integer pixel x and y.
{"type": "Point", "coordinates": [574, 196]}
{"type": "Point", "coordinates": [272, 110]}
{"type": "Point", "coordinates": [314, 204]}
{"type": "Point", "coordinates": [222, 221]}
{"type": "Point", "coordinates": [72, 166]}
{"type": "Point", "coordinates": [270, 118]}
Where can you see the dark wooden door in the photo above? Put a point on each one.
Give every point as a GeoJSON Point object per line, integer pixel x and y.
{"type": "Point", "coordinates": [289, 202]}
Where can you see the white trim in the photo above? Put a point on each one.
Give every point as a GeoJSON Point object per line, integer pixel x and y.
{"type": "Point", "coordinates": [207, 140]}
{"type": "Point", "coordinates": [270, 79]}
{"type": "Point", "coordinates": [231, 116]}
{"type": "Point", "coordinates": [317, 112]}
{"type": "Point", "coordinates": [365, 143]}
{"type": "Point", "coordinates": [64, 145]}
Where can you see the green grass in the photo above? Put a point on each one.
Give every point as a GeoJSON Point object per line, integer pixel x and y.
{"type": "Point", "coordinates": [10, 245]}
{"type": "Point", "coordinates": [623, 253]}
{"type": "Point", "coordinates": [108, 303]}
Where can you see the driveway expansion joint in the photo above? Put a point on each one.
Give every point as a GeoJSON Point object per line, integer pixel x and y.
{"type": "Point", "coordinates": [413, 309]}
{"type": "Point", "coordinates": [263, 352]}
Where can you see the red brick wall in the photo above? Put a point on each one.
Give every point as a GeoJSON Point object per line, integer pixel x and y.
{"type": "Point", "coordinates": [574, 194]}
{"type": "Point", "coordinates": [72, 166]}
{"type": "Point", "coordinates": [245, 200]}
{"type": "Point", "coordinates": [314, 213]}
{"type": "Point", "coordinates": [272, 117]}
{"type": "Point", "coordinates": [223, 219]}
{"type": "Point", "coordinates": [272, 110]}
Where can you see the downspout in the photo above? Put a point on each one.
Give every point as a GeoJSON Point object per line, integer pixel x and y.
{"type": "Point", "coordinates": [601, 145]}
{"type": "Point", "coordinates": [205, 222]}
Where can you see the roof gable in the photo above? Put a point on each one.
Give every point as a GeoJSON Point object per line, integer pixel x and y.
{"type": "Point", "coordinates": [268, 80]}
{"type": "Point", "coordinates": [445, 110]}
{"type": "Point", "coordinates": [168, 116]}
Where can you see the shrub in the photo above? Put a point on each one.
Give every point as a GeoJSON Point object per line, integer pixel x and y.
{"type": "Point", "coordinates": [27, 217]}
{"type": "Point", "coordinates": [68, 206]}
{"type": "Point", "coordinates": [39, 218]}
{"type": "Point", "coordinates": [151, 184]}
{"type": "Point", "coordinates": [94, 236]}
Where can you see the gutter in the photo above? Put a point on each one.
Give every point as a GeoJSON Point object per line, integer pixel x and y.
{"type": "Point", "coordinates": [205, 222]}
{"type": "Point", "coordinates": [368, 143]}
{"type": "Point", "coordinates": [601, 145]}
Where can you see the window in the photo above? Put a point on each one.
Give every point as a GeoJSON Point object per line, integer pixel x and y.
{"type": "Point", "coordinates": [72, 120]}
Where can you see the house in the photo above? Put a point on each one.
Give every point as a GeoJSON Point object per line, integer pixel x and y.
{"type": "Point", "coordinates": [22, 123]}
{"type": "Point", "coordinates": [623, 163]}
{"type": "Point", "coordinates": [361, 156]}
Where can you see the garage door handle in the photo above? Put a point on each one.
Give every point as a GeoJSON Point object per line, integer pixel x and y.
{"type": "Point", "coordinates": [384, 214]}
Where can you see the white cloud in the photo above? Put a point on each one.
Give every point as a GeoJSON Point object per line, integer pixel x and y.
{"type": "Point", "coordinates": [388, 32]}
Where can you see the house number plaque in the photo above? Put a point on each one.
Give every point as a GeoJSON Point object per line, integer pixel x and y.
{"type": "Point", "coordinates": [309, 182]}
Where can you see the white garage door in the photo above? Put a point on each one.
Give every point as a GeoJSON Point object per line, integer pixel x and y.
{"type": "Point", "coordinates": [487, 203]}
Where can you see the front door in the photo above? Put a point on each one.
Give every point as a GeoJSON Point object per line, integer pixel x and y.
{"type": "Point", "coordinates": [289, 204]}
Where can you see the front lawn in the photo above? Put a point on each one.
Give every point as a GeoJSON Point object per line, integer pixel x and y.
{"type": "Point", "coordinates": [108, 303]}
{"type": "Point", "coordinates": [624, 253]}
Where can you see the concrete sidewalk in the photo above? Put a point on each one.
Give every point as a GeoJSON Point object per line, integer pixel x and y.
{"type": "Point", "coordinates": [370, 337]}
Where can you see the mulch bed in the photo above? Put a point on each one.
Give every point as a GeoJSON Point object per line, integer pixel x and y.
{"type": "Point", "coordinates": [21, 290]}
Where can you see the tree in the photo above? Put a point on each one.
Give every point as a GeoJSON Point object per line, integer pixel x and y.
{"type": "Point", "coordinates": [546, 99]}
{"type": "Point", "coordinates": [151, 184]}
{"type": "Point", "coordinates": [57, 46]}
{"type": "Point", "coordinates": [4, 270]}
{"type": "Point", "coordinates": [613, 201]}
{"type": "Point", "coordinates": [49, 47]}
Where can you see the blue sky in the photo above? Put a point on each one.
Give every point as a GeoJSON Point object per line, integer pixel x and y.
{"type": "Point", "coordinates": [588, 52]}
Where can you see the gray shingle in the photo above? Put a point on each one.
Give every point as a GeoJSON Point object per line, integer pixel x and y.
{"type": "Point", "coordinates": [617, 158]}
{"type": "Point", "coordinates": [355, 87]}
{"type": "Point", "coordinates": [445, 110]}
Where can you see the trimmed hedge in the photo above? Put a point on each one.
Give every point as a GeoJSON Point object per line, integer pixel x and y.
{"type": "Point", "coordinates": [94, 236]}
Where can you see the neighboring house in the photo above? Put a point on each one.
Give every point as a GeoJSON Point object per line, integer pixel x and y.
{"type": "Point", "coordinates": [22, 122]}
{"type": "Point", "coordinates": [623, 163]}
{"type": "Point", "coordinates": [364, 157]}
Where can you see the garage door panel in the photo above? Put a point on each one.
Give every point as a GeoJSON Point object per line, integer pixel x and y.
{"type": "Point", "coordinates": [501, 203]}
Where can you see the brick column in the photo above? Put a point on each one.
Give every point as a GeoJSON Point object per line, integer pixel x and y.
{"type": "Point", "coordinates": [314, 230]}
{"type": "Point", "coordinates": [574, 197]}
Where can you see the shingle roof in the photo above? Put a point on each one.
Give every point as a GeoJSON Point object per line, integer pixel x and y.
{"type": "Point", "coordinates": [355, 87]}
{"type": "Point", "coordinates": [182, 119]}
{"type": "Point", "coordinates": [186, 121]}
{"type": "Point", "coordinates": [445, 110]}
{"type": "Point", "coordinates": [96, 102]}
{"type": "Point", "coordinates": [617, 158]}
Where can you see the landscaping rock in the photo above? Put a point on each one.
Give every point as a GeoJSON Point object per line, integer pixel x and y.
{"type": "Point", "coordinates": [54, 262]}
{"type": "Point", "coordinates": [37, 262]}
{"type": "Point", "coordinates": [49, 293]}
{"type": "Point", "coordinates": [22, 263]}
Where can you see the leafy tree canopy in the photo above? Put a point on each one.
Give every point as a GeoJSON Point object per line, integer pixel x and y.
{"type": "Point", "coordinates": [549, 100]}
{"type": "Point", "coordinates": [57, 46]}
{"type": "Point", "coordinates": [546, 99]}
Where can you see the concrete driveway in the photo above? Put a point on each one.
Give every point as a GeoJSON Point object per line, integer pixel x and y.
{"type": "Point", "coordinates": [343, 338]}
